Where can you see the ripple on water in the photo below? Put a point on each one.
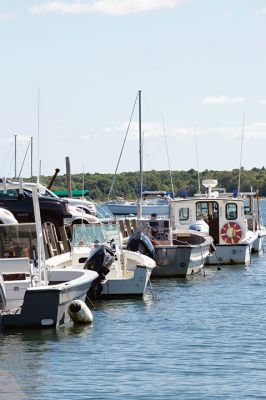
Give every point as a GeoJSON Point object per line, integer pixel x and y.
{"type": "Point", "coordinates": [202, 338]}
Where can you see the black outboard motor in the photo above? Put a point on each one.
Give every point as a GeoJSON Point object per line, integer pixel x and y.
{"type": "Point", "coordinates": [99, 261]}
{"type": "Point", "coordinates": [140, 242]}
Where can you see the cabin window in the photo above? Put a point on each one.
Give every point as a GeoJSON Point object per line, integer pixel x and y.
{"type": "Point", "coordinates": [207, 209]}
{"type": "Point", "coordinates": [183, 214]}
{"type": "Point", "coordinates": [10, 194]}
{"type": "Point", "coordinates": [231, 211]}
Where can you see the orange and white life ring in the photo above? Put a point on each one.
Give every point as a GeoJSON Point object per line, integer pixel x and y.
{"type": "Point", "coordinates": [231, 233]}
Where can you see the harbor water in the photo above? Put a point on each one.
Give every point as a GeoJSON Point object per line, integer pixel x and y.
{"type": "Point", "coordinates": [197, 338]}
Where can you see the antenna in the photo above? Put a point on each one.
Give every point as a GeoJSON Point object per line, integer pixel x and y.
{"type": "Point", "coordinates": [170, 172]}
{"type": "Point", "coordinates": [197, 158]}
{"type": "Point", "coordinates": [241, 150]}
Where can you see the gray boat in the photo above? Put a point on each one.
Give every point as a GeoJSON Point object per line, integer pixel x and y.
{"type": "Point", "coordinates": [178, 253]}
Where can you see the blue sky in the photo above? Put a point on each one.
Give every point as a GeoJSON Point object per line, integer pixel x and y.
{"type": "Point", "coordinates": [199, 63]}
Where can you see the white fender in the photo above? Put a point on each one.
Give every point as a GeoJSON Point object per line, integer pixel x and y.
{"type": "Point", "coordinates": [79, 312]}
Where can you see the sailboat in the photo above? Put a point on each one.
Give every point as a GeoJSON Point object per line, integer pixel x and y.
{"type": "Point", "coordinates": [177, 253]}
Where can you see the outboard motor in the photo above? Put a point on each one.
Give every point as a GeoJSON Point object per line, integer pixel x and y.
{"type": "Point", "coordinates": [140, 242]}
{"type": "Point", "coordinates": [99, 261]}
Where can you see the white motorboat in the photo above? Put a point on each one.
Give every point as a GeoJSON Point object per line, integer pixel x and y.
{"type": "Point", "coordinates": [152, 202]}
{"type": "Point", "coordinates": [32, 296]}
{"type": "Point", "coordinates": [232, 219]}
{"type": "Point", "coordinates": [178, 253]}
{"type": "Point", "coordinates": [98, 247]}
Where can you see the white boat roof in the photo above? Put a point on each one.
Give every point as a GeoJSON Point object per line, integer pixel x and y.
{"type": "Point", "coordinates": [218, 196]}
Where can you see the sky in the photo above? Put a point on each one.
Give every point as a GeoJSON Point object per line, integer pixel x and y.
{"type": "Point", "coordinates": [71, 71]}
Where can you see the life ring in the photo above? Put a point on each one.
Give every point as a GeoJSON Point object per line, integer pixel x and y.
{"type": "Point", "coordinates": [231, 233]}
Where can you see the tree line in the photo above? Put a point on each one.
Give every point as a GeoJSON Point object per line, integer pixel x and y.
{"type": "Point", "coordinates": [127, 184]}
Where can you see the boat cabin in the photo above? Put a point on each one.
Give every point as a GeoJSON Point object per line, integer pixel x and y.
{"type": "Point", "coordinates": [227, 217]}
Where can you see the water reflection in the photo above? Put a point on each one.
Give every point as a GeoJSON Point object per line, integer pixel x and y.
{"type": "Point", "coordinates": [200, 338]}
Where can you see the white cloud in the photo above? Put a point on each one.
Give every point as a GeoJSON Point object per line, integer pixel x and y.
{"type": "Point", "coordinates": [261, 12]}
{"type": "Point", "coordinates": [154, 131]}
{"type": "Point", "coordinates": [256, 130]}
{"type": "Point", "coordinates": [262, 102]}
{"type": "Point", "coordinates": [110, 7]}
{"type": "Point", "coordinates": [224, 100]}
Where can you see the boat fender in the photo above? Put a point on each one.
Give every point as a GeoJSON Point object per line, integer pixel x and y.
{"type": "Point", "coordinates": [140, 242]}
{"type": "Point", "coordinates": [79, 312]}
{"type": "Point", "coordinates": [231, 233]}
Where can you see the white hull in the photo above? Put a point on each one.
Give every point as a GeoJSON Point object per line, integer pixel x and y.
{"type": "Point", "coordinates": [230, 254]}
{"type": "Point", "coordinates": [132, 285]}
{"type": "Point", "coordinates": [126, 209]}
{"type": "Point", "coordinates": [237, 254]}
{"type": "Point", "coordinates": [257, 245]}
{"type": "Point", "coordinates": [129, 281]}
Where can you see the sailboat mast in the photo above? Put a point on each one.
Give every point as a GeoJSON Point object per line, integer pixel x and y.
{"type": "Point", "coordinates": [31, 157]}
{"type": "Point", "coordinates": [38, 135]}
{"type": "Point", "coordinates": [140, 147]}
{"type": "Point", "coordinates": [139, 207]}
{"type": "Point", "coordinates": [15, 155]}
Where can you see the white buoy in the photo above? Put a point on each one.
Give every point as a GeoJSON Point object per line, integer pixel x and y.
{"type": "Point", "coordinates": [79, 312]}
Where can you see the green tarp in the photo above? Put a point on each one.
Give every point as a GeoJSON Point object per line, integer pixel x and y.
{"type": "Point", "coordinates": [75, 193]}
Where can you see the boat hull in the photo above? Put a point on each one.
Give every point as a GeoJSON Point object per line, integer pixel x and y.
{"type": "Point", "coordinates": [179, 261]}
{"type": "Point", "coordinates": [46, 306]}
{"type": "Point", "coordinates": [240, 253]}
{"type": "Point", "coordinates": [230, 254]}
{"type": "Point", "coordinates": [257, 245]}
{"type": "Point", "coordinates": [133, 286]}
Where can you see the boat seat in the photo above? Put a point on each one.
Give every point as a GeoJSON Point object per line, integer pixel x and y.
{"type": "Point", "coordinates": [15, 265]}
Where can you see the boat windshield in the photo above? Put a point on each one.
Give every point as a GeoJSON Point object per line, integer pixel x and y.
{"type": "Point", "coordinates": [18, 240]}
{"type": "Point", "coordinates": [91, 234]}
